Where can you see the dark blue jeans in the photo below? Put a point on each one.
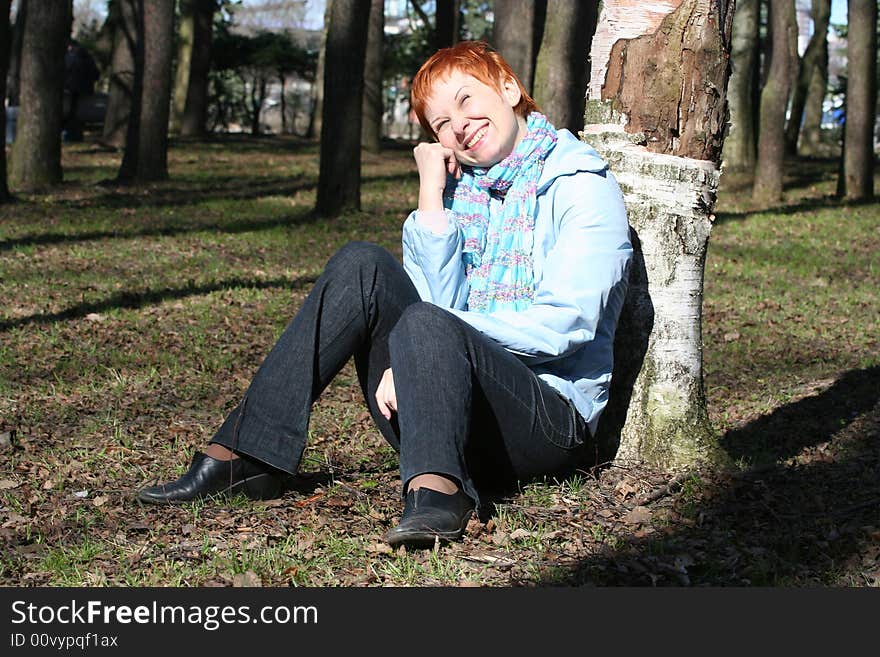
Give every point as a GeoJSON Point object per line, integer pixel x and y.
{"type": "Point", "coordinates": [467, 408]}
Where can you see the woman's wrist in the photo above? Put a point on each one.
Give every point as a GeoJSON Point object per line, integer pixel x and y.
{"type": "Point", "coordinates": [430, 200]}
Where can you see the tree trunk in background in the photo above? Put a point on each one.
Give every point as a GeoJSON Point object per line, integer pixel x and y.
{"type": "Point", "coordinates": [146, 144]}
{"type": "Point", "coordinates": [656, 111]}
{"type": "Point", "coordinates": [740, 146]}
{"type": "Point", "coordinates": [516, 34]}
{"type": "Point", "coordinates": [774, 100]}
{"type": "Point", "coordinates": [121, 92]}
{"type": "Point", "coordinates": [371, 129]}
{"type": "Point", "coordinates": [817, 88]}
{"type": "Point", "coordinates": [561, 70]}
{"type": "Point", "coordinates": [861, 100]}
{"type": "Point", "coordinates": [447, 23]}
{"type": "Point", "coordinates": [339, 180]}
{"type": "Point", "coordinates": [13, 76]}
{"type": "Point", "coordinates": [36, 153]}
{"type": "Point", "coordinates": [815, 58]}
{"type": "Point", "coordinates": [195, 111]}
{"type": "Point", "coordinates": [185, 34]}
{"type": "Point", "coordinates": [316, 117]}
{"type": "Point", "coordinates": [4, 65]}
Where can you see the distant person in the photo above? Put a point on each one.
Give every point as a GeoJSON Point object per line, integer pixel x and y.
{"type": "Point", "coordinates": [485, 358]}
{"type": "Point", "coordinates": [80, 75]}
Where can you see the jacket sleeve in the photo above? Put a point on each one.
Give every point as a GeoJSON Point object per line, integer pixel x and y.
{"type": "Point", "coordinates": [433, 263]}
{"type": "Point", "coordinates": [584, 272]}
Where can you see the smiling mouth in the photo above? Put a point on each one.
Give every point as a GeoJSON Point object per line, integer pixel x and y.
{"type": "Point", "coordinates": [477, 137]}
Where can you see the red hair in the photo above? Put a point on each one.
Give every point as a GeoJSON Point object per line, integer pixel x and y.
{"type": "Point", "coordinates": [475, 58]}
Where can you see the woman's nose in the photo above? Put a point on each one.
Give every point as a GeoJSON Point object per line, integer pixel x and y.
{"type": "Point", "coordinates": [459, 126]}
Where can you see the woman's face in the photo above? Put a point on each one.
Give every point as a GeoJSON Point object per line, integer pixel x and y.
{"type": "Point", "coordinates": [474, 120]}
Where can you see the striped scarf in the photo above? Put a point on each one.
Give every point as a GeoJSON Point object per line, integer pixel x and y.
{"type": "Point", "coordinates": [497, 251]}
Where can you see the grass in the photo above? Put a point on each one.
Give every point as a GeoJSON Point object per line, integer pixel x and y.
{"type": "Point", "coordinates": [133, 319]}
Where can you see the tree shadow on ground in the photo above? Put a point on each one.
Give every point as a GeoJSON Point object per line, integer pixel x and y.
{"type": "Point", "coordinates": [817, 203]}
{"type": "Point", "coordinates": [810, 520]}
{"type": "Point", "coordinates": [247, 189]}
{"type": "Point", "coordinates": [131, 300]}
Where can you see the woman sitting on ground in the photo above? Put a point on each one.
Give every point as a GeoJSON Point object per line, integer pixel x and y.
{"type": "Point", "coordinates": [485, 358]}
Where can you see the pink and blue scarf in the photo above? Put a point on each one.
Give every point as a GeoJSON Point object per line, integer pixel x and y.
{"type": "Point", "coordinates": [497, 251]}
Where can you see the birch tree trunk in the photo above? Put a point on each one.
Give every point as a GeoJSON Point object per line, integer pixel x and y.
{"type": "Point", "coordinates": [656, 111]}
{"type": "Point", "coordinates": [774, 100]}
{"type": "Point", "coordinates": [861, 100]}
{"type": "Point", "coordinates": [740, 146]}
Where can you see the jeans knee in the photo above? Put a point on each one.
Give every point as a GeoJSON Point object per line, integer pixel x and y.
{"type": "Point", "coordinates": [424, 323]}
{"type": "Point", "coordinates": [355, 255]}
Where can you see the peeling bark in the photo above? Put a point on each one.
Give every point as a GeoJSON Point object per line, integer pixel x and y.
{"type": "Point", "coordinates": [658, 119]}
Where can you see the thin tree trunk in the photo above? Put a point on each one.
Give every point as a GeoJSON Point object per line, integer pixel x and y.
{"type": "Point", "coordinates": [811, 131]}
{"type": "Point", "coordinates": [446, 25]}
{"type": "Point", "coordinates": [185, 38]}
{"type": "Point", "coordinates": [195, 112]}
{"type": "Point", "coordinates": [146, 146]}
{"type": "Point", "coordinates": [36, 152]}
{"type": "Point", "coordinates": [339, 180]}
{"type": "Point", "coordinates": [656, 111]}
{"type": "Point", "coordinates": [815, 57]}
{"type": "Point", "coordinates": [122, 73]}
{"type": "Point", "coordinates": [861, 100]}
{"type": "Point", "coordinates": [561, 70]}
{"type": "Point", "coordinates": [4, 66]}
{"type": "Point", "coordinates": [13, 76]}
{"type": "Point", "coordinates": [740, 146]}
{"type": "Point", "coordinates": [282, 78]}
{"type": "Point", "coordinates": [774, 100]}
{"type": "Point", "coordinates": [317, 115]}
{"type": "Point", "coordinates": [516, 34]}
{"type": "Point", "coordinates": [371, 130]}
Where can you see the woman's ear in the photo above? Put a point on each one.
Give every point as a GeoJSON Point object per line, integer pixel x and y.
{"type": "Point", "coordinates": [510, 91]}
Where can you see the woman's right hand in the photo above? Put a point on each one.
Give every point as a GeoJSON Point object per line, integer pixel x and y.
{"type": "Point", "coordinates": [434, 162]}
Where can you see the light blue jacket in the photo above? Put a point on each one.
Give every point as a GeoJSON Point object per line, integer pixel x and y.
{"type": "Point", "coordinates": [581, 256]}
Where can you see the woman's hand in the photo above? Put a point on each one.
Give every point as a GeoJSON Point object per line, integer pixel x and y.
{"type": "Point", "coordinates": [434, 162]}
{"type": "Point", "coordinates": [385, 396]}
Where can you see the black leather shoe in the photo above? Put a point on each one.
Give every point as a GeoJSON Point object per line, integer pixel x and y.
{"type": "Point", "coordinates": [208, 477]}
{"type": "Point", "coordinates": [429, 515]}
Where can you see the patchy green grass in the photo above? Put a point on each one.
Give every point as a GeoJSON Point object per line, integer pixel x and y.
{"type": "Point", "coordinates": [133, 319]}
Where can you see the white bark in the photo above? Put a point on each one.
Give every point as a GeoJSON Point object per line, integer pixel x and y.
{"type": "Point", "coordinates": [657, 412]}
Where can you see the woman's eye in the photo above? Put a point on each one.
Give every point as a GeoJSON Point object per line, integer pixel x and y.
{"type": "Point", "coordinates": [440, 126]}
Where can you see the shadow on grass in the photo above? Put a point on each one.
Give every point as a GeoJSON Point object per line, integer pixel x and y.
{"type": "Point", "coordinates": [801, 523]}
{"type": "Point", "coordinates": [133, 300]}
{"type": "Point", "coordinates": [185, 196]}
{"type": "Point", "coordinates": [818, 203]}
{"type": "Point", "coordinates": [166, 230]}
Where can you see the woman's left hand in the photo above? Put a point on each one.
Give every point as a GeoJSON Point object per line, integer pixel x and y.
{"type": "Point", "coordinates": [385, 396]}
